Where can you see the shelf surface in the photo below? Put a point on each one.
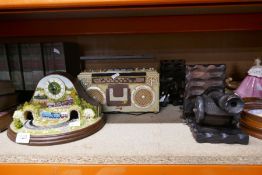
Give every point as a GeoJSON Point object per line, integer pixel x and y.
{"type": "Point", "coordinates": [128, 139]}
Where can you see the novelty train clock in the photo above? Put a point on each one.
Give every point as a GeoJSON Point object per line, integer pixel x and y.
{"type": "Point", "coordinates": [58, 112]}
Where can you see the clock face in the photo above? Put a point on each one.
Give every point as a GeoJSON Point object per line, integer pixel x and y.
{"type": "Point", "coordinates": [54, 88]}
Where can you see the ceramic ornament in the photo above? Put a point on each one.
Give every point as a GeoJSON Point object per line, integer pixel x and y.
{"type": "Point", "coordinates": [251, 86]}
{"type": "Point", "coordinates": [58, 112]}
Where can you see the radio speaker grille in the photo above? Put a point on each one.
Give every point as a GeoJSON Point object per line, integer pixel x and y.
{"type": "Point", "coordinates": [143, 97]}
{"type": "Point", "coordinates": [96, 94]}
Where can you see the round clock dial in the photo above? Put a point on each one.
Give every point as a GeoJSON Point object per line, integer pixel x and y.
{"type": "Point", "coordinates": [54, 88]}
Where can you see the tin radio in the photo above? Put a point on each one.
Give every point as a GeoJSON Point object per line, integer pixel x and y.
{"type": "Point", "coordinates": [123, 90]}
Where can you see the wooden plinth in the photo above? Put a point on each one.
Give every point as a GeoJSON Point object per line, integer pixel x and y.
{"type": "Point", "coordinates": [250, 123]}
{"type": "Point", "coordinates": [60, 138]}
{"type": "Point", "coordinates": [251, 131]}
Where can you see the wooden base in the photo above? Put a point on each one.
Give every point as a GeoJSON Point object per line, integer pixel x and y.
{"type": "Point", "coordinates": [60, 138]}
{"type": "Point", "coordinates": [250, 123]}
{"type": "Point", "coordinates": [252, 126]}
{"type": "Point", "coordinates": [252, 103]}
{"type": "Point", "coordinates": [251, 131]}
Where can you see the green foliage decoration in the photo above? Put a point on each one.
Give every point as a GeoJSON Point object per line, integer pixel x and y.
{"type": "Point", "coordinates": [18, 124]}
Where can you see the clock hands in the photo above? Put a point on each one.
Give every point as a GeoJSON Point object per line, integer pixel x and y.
{"type": "Point", "coordinates": [54, 88]}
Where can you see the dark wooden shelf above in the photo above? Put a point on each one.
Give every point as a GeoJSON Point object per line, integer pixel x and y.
{"type": "Point", "coordinates": [131, 25]}
{"type": "Point", "coordinates": [25, 18]}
